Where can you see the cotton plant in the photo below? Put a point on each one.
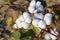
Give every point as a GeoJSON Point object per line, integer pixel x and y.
{"type": "Point", "coordinates": [39, 20]}
{"type": "Point", "coordinates": [35, 6]}
{"type": "Point", "coordinates": [23, 21]}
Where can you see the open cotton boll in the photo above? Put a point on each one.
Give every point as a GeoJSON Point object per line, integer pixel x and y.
{"type": "Point", "coordinates": [19, 25]}
{"type": "Point", "coordinates": [42, 24]}
{"type": "Point", "coordinates": [38, 3]}
{"type": "Point", "coordinates": [35, 22]}
{"type": "Point", "coordinates": [27, 17]}
{"type": "Point", "coordinates": [39, 15]}
{"type": "Point", "coordinates": [53, 32]}
{"type": "Point", "coordinates": [31, 9]}
{"type": "Point", "coordinates": [15, 26]}
{"type": "Point", "coordinates": [17, 21]}
{"type": "Point", "coordinates": [47, 36]}
{"type": "Point", "coordinates": [21, 18]}
{"type": "Point", "coordinates": [33, 3]}
{"type": "Point", "coordinates": [53, 37]}
{"type": "Point", "coordinates": [48, 18]}
{"type": "Point", "coordinates": [24, 25]}
{"type": "Point", "coordinates": [40, 8]}
{"type": "Point", "coordinates": [56, 31]}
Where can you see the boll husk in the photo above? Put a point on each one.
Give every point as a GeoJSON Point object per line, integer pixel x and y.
{"type": "Point", "coordinates": [48, 18]}
{"type": "Point", "coordinates": [35, 22]}
{"type": "Point", "coordinates": [47, 36]}
{"type": "Point", "coordinates": [42, 24]}
{"type": "Point", "coordinates": [39, 15]}
{"type": "Point", "coordinates": [27, 17]}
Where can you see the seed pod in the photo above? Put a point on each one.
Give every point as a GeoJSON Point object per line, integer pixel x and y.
{"type": "Point", "coordinates": [35, 22]}
{"type": "Point", "coordinates": [48, 18]}
{"type": "Point", "coordinates": [39, 15]}
{"type": "Point", "coordinates": [27, 17]}
{"type": "Point", "coordinates": [42, 24]}
{"type": "Point", "coordinates": [31, 9]}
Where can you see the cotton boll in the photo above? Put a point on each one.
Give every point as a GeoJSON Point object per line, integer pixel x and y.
{"type": "Point", "coordinates": [24, 25]}
{"type": "Point", "coordinates": [53, 32]}
{"type": "Point", "coordinates": [53, 37]}
{"type": "Point", "coordinates": [17, 21]}
{"type": "Point", "coordinates": [27, 17]}
{"type": "Point", "coordinates": [19, 25]}
{"type": "Point", "coordinates": [31, 9]}
{"type": "Point", "coordinates": [38, 4]}
{"type": "Point", "coordinates": [15, 26]}
{"type": "Point", "coordinates": [40, 8]}
{"type": "Point", "coordinates": [56, 31]}
{"type": "Point", "coordinates": [39, 15]}
{"type": "Point", "coordinates": [35, 22]}
{"type": "Point", "coordinates": [32, 3]}
{"type": "Point", "coordinates": [42, 24]}
{"type": "Point", "coordinates": [21, 18]}
{"type": "Point", "coordinates": [48, 18]}
{"type": "Point", "coordinates": [47, 36]}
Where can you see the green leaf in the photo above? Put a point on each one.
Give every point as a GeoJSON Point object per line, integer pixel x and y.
{"type": "Point", "coordinates": [27, 34]}
{"type": "Point", "coordinates": [15, 36]}
{"type": "Point", "coordinates": [35, 29]}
